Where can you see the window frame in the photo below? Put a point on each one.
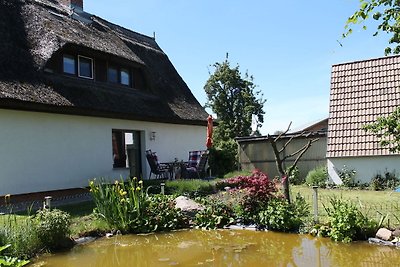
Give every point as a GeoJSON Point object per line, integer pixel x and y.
{"type": "Point", "coordinates": [91, 66]}
{"type": "Point", "coordinates": [117, 74]}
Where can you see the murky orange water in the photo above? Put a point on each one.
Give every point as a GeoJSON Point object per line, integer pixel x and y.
{"type": "Point", "coordinates": [222, 248]}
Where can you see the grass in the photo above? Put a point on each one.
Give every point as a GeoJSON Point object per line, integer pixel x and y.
{"type": "Point", "coordinates": [373, 203]}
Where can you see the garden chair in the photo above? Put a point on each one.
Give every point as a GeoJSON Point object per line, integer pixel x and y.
{"type": "Point", "coordinates": [196, 166]}
{"type": "Point", "coordinates": [158, 169]}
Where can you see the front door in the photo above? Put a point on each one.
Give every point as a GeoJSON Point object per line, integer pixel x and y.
{"type": "Point", "coordinates": [133, 152]}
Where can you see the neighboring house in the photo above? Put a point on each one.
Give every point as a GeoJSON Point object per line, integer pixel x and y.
{"type": "Point", "coordinates": [361, 92]}
{"type": "Point", "coordinates": [76, 91]}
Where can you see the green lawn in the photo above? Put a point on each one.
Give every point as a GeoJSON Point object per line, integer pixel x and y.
{"type": "Point", "coordinates": [373, 203]}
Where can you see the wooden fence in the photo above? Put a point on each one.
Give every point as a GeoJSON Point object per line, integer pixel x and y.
{"type": "Point", "coordinates": [256, 153]}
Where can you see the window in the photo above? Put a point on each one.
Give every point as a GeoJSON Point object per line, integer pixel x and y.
{"type": "Point", "coordinates": [85, 67]}
{"type": "Point", "coordinates": [125, 77]}
{"type": "Point", "coordinates": [112, 75]}
{"type": "Point", "coordinates": [119, 75]}
{"type": "Point", "coordinates": [69, 64]}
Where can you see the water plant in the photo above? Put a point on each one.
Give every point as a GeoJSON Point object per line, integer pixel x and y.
{"type": "Point", "coordinates": [10, 261]}
{"type": "Point", "coordinates": [346, 221]}
{"type": "Point", "coordinates": [216, 214]}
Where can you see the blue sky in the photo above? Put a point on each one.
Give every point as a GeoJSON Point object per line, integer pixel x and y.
{"type": "Point", "coordinates": [288, 46]}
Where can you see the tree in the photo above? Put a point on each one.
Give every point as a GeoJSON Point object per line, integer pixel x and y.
{"type": "Point", "coordinates": [232, 97]}
{"type": "Point", "coordinates": [387, 129]}
{"type": "Point", "coordinates": [281, 157]}
{"type": "Point", "coordinates": [234, 100]}
{"type": "Point", "coordinates": [386, 13]}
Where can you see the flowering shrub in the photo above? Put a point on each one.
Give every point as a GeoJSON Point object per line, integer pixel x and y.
{"type": "Point", "coordinates": [258, 190]}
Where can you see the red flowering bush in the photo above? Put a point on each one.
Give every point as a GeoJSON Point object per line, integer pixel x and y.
{"type": "Point", "coordinates": [258, 190]}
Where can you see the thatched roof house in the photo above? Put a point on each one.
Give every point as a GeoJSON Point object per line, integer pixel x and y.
{"type": "Point", "coordinates": [34, 35]}
{"type": "Point", "coordinates": [77, 92]}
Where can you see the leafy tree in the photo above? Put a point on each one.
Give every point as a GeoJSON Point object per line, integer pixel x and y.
{"type": "Point", "coordinates": [232, 97]}
{"type": "Point", "coordinates": [234, 100]}
{"type": "Point", "coordinates": [386, 13]}
{"type": "Point", "coordinates": [387, 129]}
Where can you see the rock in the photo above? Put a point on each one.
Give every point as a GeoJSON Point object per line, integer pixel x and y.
{"type": "Point", "coordinates": [186, 204]}
{"type": "Point", "coordinates": [108, 235]}
{"type": "Point", "coordinates": [379, 242]}
{"type": "Point", "coordinates": [384, 234]}
{"type": "Point", "coordinates": [396, 232]}
{"type": "Point", "coordinates": [84, 240]}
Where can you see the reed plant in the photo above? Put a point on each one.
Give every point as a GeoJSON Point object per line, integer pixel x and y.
{"type": "Point", "coordinates": [126, 207]}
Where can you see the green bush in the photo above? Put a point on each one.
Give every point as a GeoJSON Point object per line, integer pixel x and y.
{"type": "Point", "coordinates": [223, 159]}
{"type": "Point", "coordinates": [348, 177]}
{"type": "Point", "coordinates": [52, 227]}
{"type": "Point", "coordinates": [295, 177]}
{"type": "Point", "coordinates": [191, 188]}
{"type": "Point", "coordinates": [317, 177]}
{"type": "Point", "coordinates": [216, 214]}
{"type": "Point", "coordinates": [347, 223]}
{"type": "Point", "coordinates": [284, 217]}
{"type": "Point", "coordinates": [388, 181]}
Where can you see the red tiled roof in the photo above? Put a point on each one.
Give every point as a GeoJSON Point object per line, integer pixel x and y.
{"type": "Point", "coordinates": [361, 92]}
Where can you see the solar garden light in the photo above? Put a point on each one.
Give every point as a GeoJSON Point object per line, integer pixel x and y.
{"type": "Point", "coordinates": [162, 188]}
{"type": "Point", "coordinates": [47, 202]}
{"type": "Point", "coordinates": [315, 201]}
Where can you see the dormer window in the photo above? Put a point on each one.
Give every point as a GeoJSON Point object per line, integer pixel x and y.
{"type": "Point", "coordinates": [69, 64]}
{"type": "Point", "coordinates": [125, 77]}
{"type": "Point", "coordinates": [85, 67]}
{"type": "Point", "coordinates": [119, 75]}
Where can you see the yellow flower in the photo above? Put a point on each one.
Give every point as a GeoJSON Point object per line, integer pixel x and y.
{"type": "Point", "coordinates": [138, 188]}
{"type": "Point", "coordinates": [116, 182]}
{"type": "Point", "coordinates": [91, 183]}
{"type": "Point", "coordinates": [122, 192]}
{"type": "Point", "coordinates": [140, 182]}
{"type": "Point", "coordinates": [134, 178]}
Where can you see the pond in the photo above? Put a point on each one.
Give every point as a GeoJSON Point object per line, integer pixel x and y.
{"type": "Point", "coordinates": [221, 248]}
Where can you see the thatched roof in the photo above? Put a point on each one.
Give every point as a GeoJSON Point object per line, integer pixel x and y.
{"type": "Point", "coordinates": [32, 31]}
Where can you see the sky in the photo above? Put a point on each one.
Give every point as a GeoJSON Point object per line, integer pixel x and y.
{"type": "Point", "coordinates": [288, 46]}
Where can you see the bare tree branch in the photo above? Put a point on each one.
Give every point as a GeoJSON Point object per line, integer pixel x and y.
{"type": "Point", "coordinates": [283, 133]}
{"type": "Point", "coordinates": [306, 146]}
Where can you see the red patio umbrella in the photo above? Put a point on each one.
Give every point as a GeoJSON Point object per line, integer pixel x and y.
{"type": "Point", "coordinates": [209, 131]}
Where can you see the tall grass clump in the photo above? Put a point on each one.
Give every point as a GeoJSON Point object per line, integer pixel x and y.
{"type": "Point", "coordinates": [126, 206]}
{"type": "Point", "coordinates": [21, 233]}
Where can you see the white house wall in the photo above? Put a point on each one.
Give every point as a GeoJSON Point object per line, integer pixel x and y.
{"type": "Point", "coordinates": [366, 167]}
{"type": "Point", "coordinates": [42, 151]}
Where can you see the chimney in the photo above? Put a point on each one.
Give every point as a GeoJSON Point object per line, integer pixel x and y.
{"type": "Point", "coordinates": [75, 4]}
